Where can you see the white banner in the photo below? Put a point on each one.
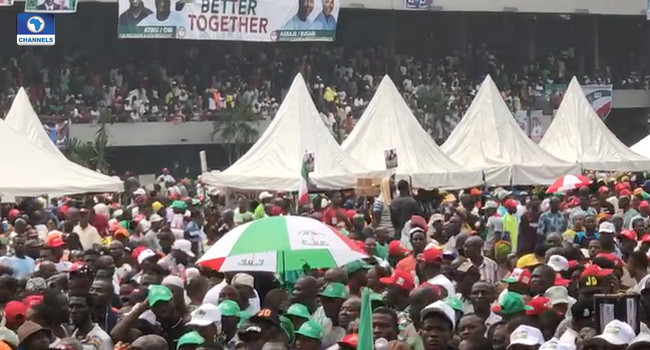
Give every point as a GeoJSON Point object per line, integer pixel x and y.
{"type": "Point", "coordinates": [6, 2]}
{"type": "Point", "coordinates": [247, 20]}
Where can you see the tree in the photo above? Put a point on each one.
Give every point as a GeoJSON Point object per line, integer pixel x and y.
{"type": "Point", "coordinates": [237, 127]}
{"type": "Point", "coordinates": [93, 155]}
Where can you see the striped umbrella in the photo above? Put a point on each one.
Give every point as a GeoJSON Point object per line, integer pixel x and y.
{"type": "Point", "coordinates": [568, 182]}
{"type": "Point", "coordinates": [279, 244]}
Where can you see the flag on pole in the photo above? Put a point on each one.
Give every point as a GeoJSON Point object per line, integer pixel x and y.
{"type": "Point", "coordinates": [365, 323]}
{"type": "Point", "coordinates": [303, 187]}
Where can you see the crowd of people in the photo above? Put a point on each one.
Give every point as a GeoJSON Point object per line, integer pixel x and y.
{"type": "Point", "coordinates": [477, 269]}
{"type": "Point", "coordinates": [342, 81]}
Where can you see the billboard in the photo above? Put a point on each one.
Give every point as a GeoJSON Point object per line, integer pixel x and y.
{"type": "Point", "coordinates": [51, 6]}
{"type": "Point", "coordinates": [246, 20]}
{"type": "Point", "coordinates": [599, 95]}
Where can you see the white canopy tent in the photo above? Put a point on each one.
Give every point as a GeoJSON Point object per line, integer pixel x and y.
{"type": "Point", "coordinates": [387, 124]}
{"type": "Point", "coordinates": [578, 135]}
{"type": "Point", "coordinates": [275, 161]}
{"type": "Point", "coordinates": [489, 138]}
{"type": "Point", "coordinates": [39, 167]}
{"type": "Point", "coordinates": [642, 147]}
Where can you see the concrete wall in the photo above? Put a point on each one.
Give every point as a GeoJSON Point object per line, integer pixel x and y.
{"type": "Point", "coordinates": [154, 134]}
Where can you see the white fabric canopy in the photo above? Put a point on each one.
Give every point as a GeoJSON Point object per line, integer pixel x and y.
{"type": "Point", "coordinates": [489, 138]}
{"type": "Point", "coordinates": [33, 168]}
{"type": "Point", "coordinates": [388, 123]}
{"type": "Point", "coordinates": [578, 135]}
{"type": "Point", "coordinates": [275, 161]}
{"type": "Point", "coordinates": [23, 118]}
{"type": "Point", "coordinates": [642, 147]}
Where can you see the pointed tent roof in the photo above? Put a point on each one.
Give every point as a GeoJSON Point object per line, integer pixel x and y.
{"type": "Point", "coordinates": [23, 118]}
{"type": "Point", "coordinates": [275, 161]}
{"type": "Point", "coordinates": [489, 138]}
{"type": "Point", "coordinates": [388, 123]}
{"type": "Point", "coordinates": [37, 172]}
{"type": "Point", "coordinates": [578, 135]}
{"type": "Point", "coordinates": [43, 168]}
{"type": "Point", "coordinates": [642, 147]}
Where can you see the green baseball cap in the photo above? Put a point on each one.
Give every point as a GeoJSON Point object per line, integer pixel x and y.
{"type": "Point", "coordinates": [356, 266]}
{"type": "Point", "coordinates": [454, 303]}
{"type": "Point", "coordinates": [298, 310]}
{"type": "Point", "coordinates": [335, 290]}
{"type": "Point", "coordinates": [158, 293]}
{"type": "Point", "coordinates": [311, 329]}
{"type": "Point", "coordinates": [179, 205]}
{"type": "Point", "coordinates": [229, 308]}
{"type": "Point", "coordinates": [287, 327]}
{"type": "Point", "coordinates": [511, 303]}
{"type": "Point", "coordinates": [190, 338]}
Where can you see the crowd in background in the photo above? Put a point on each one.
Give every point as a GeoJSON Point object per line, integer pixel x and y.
{"type": "Point", "coordinates": [342, 81]}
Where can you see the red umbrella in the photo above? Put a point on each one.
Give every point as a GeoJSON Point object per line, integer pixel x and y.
{"type": "Point", "coordinates": [568, 182]}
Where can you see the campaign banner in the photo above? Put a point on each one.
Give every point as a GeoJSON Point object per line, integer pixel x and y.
{"type": "Point", "coordinates": [245, 20]}
{"type": "Point", "coordinates": [6, 2]}
{"type": "Point", "coordinates": [539, 123]}
{"type": "Point", "coordinates": [51, 6]}
{"type": "Point", "coordinates": [599, 95]}
{"type": "Point", "coordinates": [419, 4]}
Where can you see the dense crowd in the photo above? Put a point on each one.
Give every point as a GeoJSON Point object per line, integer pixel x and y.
{"type": "Point", "coordinates": [342, 80]}
{"type": "Point", "coordinates": [476, 269]}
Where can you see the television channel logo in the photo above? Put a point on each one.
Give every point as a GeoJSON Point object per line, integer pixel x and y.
{"type": "Point", "coordinates": [35, 29]}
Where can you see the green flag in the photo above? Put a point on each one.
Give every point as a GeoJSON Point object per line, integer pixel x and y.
{"type": "Point", "coordinates": [365, 323]}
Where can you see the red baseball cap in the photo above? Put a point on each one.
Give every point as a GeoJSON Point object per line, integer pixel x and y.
{"type": "Point", "coordinates": [350, 213]}
{"type": "Point", "coordinates": [15, 310]}
{"type": "Point", "coordinates": [644, 204]}
{"type": "Point", "coordinates": [418, 221]}
{"type": "Point", "coordinates": [54, 239]}
{"type": "Point", "coordinates": [603, 189]}
{"type": "Point", "coordinates": [625, 192]}
{"type": "Point", "coordinates": [539, 304]}
{"type": "Point", "coordinates": [400, 278]}
{"type": "Point", "coordinates": [276, 210]}
{"type": "Point", "coordinates": [396, 248]}
{"type": "Point", "coordinates": [518, 276]}
{"type": "Point", "coordinates": [510, 203]}
{"type": "Point", "coordinates": [595, 270]}
{"type": "Point", "coordinates": [350, 340]}
{"type": "Point", "coordinates": [645, 238]}
{"type": "Point", "coordinates": [629, 234]}
{"type": "Point", "coordinates": [33, 300]}
{"type": "Point", "coordinates": [13, 213]}
{"type": "Point", "coordinates": [475, 192]}
{"type": "Point", "coordinates": [431, 255]}
{"type": "Point", "coordinates": [611, 257]}
{"type": "Point", "coordinates": [559, 281]}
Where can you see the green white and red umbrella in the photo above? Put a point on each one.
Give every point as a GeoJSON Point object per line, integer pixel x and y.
{"type": "Point", "coordinates": [279, 244]}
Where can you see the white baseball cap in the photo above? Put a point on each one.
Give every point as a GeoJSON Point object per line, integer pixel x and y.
{"type": "Point", "coordinates": [265, 195]}
{"type": "Point", "coordinates": [549, 345]}
{"type": "Point", "coordinates": [243, 279]}
{"type": "Point", "coordinates": [526, 335]}
{"type": "Point", "coordinates": [139, 192]}
{"type": "Point", "coordinates": [558, 263]}
{"type": "Point", "coordinates": [145, 254]}
{"type": "Point", "coordinates": [155, 218]}
{"type": "Point", "coordinates": [642, 338]}
{"type": "Point", "coordinates": [607, 227]}
{"type": "Point", "coordinates": [183, 245]}
{"type": "Point", "coordinates": [558, 295]}
{"type": "Point", "coordinates": [206, 314]}
{"type": "Point", "coordinates": [439, 307]}
{"type": "Point", "coordinates": [617, 333]}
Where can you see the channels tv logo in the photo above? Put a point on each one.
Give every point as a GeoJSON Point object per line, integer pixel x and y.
{"type": "Point", "coordinates": [35, 29]}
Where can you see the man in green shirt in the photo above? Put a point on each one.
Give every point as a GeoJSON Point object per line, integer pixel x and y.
{"type": "Point", "coordinates": [260, 211]}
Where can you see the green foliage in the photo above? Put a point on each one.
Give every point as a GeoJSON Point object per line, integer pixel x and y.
{"type": "Point", "coordinates": [237, 128]}
{"type": "Point", "coordinates": [93, 155]}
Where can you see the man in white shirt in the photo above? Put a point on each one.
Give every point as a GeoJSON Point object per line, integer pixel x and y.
{"type": "Point", "coordinates": [88, 234]}
{"type": "Point", "coordinates": [91, 336]}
